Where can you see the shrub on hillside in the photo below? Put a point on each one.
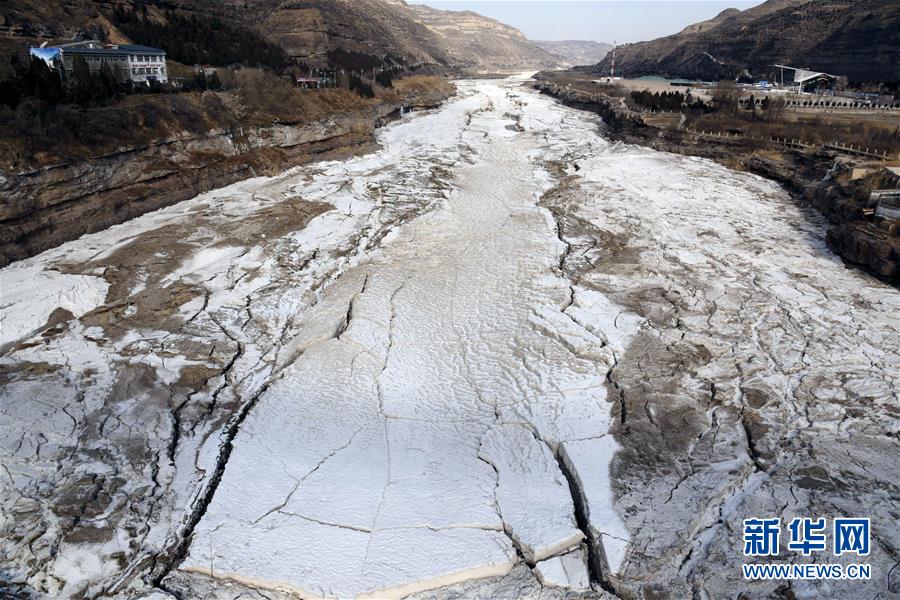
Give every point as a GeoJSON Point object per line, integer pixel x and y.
{"type": "Point", "coordinates": [385, 79]}
{"type": "Point", "coordinates": [83, 87]}
{"type": "Point", "coordinates": [35, 80]}
{"type": "Point", "coordinates": [361, 87]}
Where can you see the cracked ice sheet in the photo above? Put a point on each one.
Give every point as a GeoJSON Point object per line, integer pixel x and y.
{"type": "Point", "coordinates": [247, 291]}
{"type": "Point", "coordinates": [31, 289]}
{"type": "Point", "coordinates": [416, 447]}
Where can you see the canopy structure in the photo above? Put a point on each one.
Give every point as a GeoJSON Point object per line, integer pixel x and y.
{"type": "Point", "coordinates": [804, 78]}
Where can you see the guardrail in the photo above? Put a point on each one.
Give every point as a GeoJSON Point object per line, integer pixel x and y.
{"type": "Point", "coordinates": [795, 143]}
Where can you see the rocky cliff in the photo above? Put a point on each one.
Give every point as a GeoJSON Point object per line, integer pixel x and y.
{"type": "Point", "coordinates": [859, 39]}
{"type": "Point", "coordinates": [46, 206]}
{"type": "Point", "coordinates": [473, 40]}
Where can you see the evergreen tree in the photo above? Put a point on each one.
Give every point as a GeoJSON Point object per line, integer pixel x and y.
{"type": "Point", "coordinates": [108, 87]}
{"type": "Point", "coordinates": [43, 82]}
{"type": "Point", "coordinates": [81, 85]}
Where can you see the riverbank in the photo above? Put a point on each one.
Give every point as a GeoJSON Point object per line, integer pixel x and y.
{"type": "Point", "coordinates": [814, 177]}
{"type": "Point", "coordinates": [51, 198]}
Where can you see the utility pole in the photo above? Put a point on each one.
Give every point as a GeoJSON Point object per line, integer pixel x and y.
{"type": "Point", "coordinates": [612, 68]}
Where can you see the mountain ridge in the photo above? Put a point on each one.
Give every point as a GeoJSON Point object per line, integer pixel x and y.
{"type": "Point", "coordinates": [859, 39]}
{"type": "Point", "coordinates": [370, 32]}
{"type": "Point", "coordinates": [474, 40]}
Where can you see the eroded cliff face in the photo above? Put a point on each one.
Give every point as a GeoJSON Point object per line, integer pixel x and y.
{"type": "Point", "coordinates": [45, 207]}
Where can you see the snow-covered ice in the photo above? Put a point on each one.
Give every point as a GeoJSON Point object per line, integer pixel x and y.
{"type": "Point", "coordinates": [410, 369]}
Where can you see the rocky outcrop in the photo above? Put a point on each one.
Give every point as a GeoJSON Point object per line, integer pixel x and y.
{"type": "Point", "coordinates": [871, 245]}
{"type": "Point", "coordinates": [45, 207]}
{"type": "Point", "coordinates": [393, 30]}
{"type": "Point", "coordinates": [382, 29]}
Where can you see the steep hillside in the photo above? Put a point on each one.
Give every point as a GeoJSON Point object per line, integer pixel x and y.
{"type": "Point", "coordinates": [311, 30]}
{"type": "Point", "coordinates": [30, 22]}
{"type": "Point", "coordinates": [576, 52]}
{"type": "Point", "coordinates": [317, 33]}
{"type": "Point", "coordinates": [856, 38]}
{"type": "Point", "coordinates": [476, 41]}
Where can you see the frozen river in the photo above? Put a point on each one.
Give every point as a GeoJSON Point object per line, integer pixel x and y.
{"type": "Point", "coordinates": [499, 351]}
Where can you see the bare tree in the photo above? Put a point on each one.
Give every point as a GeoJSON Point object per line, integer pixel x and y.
{"type": "Point", "coordinates": [726, 96]}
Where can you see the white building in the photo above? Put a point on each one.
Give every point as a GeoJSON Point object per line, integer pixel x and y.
{"type": "Point", "coordinates": [129, 62]}
{"type": "Point", "coordinates": [887, 203]}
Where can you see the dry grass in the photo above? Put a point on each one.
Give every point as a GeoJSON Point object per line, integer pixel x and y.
{"type": "Point", "coordinates": [820, 129]}
{"type": "Point", "coordinates": [35, 136]}
{"type": "Point", "coordinates": [265, 98]}
{"type": "Point", "coordinates": [420, 84]}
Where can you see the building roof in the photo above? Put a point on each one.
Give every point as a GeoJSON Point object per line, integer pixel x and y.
{"type": "Point", "coordinates": [119, 50]}
{"type": "Point", "coordinates": [804, 76]}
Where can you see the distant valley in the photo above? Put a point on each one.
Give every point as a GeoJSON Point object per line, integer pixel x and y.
{"type": "Point", "coordinates": [576, 52]}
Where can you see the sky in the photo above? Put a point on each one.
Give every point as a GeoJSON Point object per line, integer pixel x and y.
{"type": "Point", "coordinates": [622, 21]}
